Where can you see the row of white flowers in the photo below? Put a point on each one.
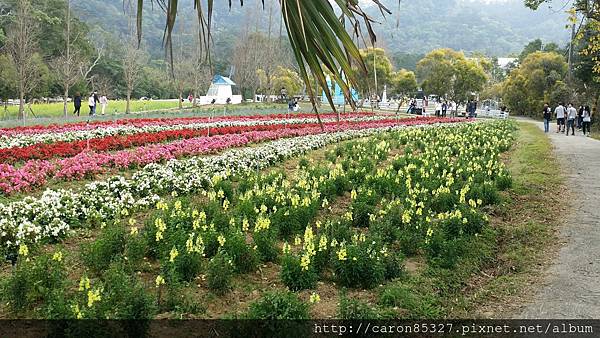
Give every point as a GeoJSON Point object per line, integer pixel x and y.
{"type": "Point", "coordinates": [30, 139]}
{"type": "Point", "coordinates": [57, 211]}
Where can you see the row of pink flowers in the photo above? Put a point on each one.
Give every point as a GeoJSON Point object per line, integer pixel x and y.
{"type": "Point", "coordinates": [54, 128]}
{"type": "Point", "coordinates": [35, 173]}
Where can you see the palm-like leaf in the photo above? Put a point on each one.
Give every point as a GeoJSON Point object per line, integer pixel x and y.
{"type": "Point", "coordinates": [318, 37]}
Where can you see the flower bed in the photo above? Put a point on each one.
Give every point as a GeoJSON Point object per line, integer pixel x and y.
{"type": "Point", "coordinates": [55, 212]}
{"type": "Point", "coordinates": [44, 151]}
{"type": "Point", "coordinates": [86, 133]}
{"type": "Point", "coordinates": [35, 173]}
{"type": "Point", "coordinates": [79, 126]}
{"type": "Point", "coordinates": [345, 219]}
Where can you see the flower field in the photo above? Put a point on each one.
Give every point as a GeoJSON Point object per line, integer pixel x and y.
{"type": "Point", "coordinates": [284, 227]}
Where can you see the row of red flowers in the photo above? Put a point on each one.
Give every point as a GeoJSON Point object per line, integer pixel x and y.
{"type": "Point", "coordinates": [57, 128]}
{"type": "Point", "coordinates": [45, 151]}
{"type": "Point", "coordinates": [35, 173]}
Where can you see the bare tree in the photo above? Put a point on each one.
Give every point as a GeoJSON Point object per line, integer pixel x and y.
{"type": "Point", "coordinates": [133, 60]}
{"type": "Point", "coordinates": [245, 62]}
{"type": "Point", "coordinates": [72, 65]}
{"type": "Point", "coordinates": [201, 75]}
{"type": "Point", "coordinates": [21, 46]}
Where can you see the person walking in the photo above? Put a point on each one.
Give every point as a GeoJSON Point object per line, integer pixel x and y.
{"type": "Point", "coordinates": [96, 100]}
{"type": "Point", "coordinates": [444, 108]}
{"type": "Point", "coordinates": [547, 116]}
{"type": "Point", "coordinates": [92, 104]}
{"type": "Point", "coordinates": [560, 112]}
{"type": "Point", "coordinates": [571, 116]}
{"type": "Point", "coordinates": [580, 117]}
{"type": "Point", "coordinates": [103, 103]}
{"type": "Point", "coordinates": [587, 121]}
{"type": "Point", "coordinates": [77, 103]}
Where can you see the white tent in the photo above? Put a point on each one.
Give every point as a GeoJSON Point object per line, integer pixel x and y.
{"type": "Point", "coordinates": [220, 92]}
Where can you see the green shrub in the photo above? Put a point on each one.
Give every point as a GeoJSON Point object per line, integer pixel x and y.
{"type": "Point", "coordinates": [278, 305]}
{"type": "Point", "coordinates": [393, 264]}
{"type": "Point", "coordinates": [361, 267]}
{"type": "Point", "coordinates": [354, 309]}
{"type": "Point", "coordinates": [136, 249]}
{"type": "Point", "coordinates": [220, 273]}
{"type": "Point", "coordinates": [410, 240]}
{"type": "Point", "coordinates": [294, 277]}
{"type": "Point", "coordinates": [486, 192]}
{"type": "Point", "coordinates": [124, 296]}
{"type": "Point", "coordinates": [362, 207]}
{"type": "Point", "coordinates": [242, 255]}
{"type": "Point", "coordinates": [185, 267]}
{"type": "Point", "coordinates": [98, 254]}
{"type": "Point", "coordinates": [417, 305]}
{"type": "Point", "coordinates": [266, 245]}
{"type": "Point", "coordinates": [443, 251]}
{"type": "Point", "coordinates": [33, 282]}
{"type": "Point", "coordinates": [504, 181]}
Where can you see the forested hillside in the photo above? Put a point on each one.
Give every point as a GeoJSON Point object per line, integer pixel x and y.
{"type": "Point", "coordinates": [497, 27]}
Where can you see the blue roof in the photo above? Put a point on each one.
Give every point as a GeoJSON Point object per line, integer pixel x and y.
{"type": "Point", "coordinates": [222, 80]}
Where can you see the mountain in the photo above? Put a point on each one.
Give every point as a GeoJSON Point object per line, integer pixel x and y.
{"type": "Point", "coordinates": [493, 27]}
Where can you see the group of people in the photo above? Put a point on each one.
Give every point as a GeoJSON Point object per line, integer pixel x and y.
{"type": "Point", "coordinates": [471, 109]}
{"type": "Point", "coordinates": [441, 109]}
{"type": "Point", "coordinates": [93, 102]}
{"type": "Point", "coordinates": [568, 118]}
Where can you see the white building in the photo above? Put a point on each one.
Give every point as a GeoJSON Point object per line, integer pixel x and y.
{"type": "Point", "coordinates": [220, 92]}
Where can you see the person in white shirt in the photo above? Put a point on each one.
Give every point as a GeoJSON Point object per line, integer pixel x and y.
{"type": "Point", "coordinates": [92, 104]}
{"type": "Point", "coordinates": [103, 103]}
{"type": "Point", "coordinates": [560, 112]}
{"type": "Point", "coordinates": [587, 120]}
{"type": "Point", "coordinates": [571, 116]}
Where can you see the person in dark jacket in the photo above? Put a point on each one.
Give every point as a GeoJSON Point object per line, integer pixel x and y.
{"type": "Point", "coordinates": [77, 103]}
{"type": "Point", "coordinates": [96, 100]}
{"type": "Point", "coordinates": [444, 108]}
{"type": "Point", "coordinates": [547, 113]}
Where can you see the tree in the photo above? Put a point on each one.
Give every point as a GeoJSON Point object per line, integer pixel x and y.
{"type": "Point", "coordinates": [285, 78]}
{"type": "Point", "coordinates": [469, 79]}
{"type": "Point", "coordinates": [447, 73]}
{"type": "Point", "coordinates": [403, 83]}
{"type": "Point", "coordinates": [379, 71]}
{"type": "Point", "coordinates": [537, 80]}
{"type": "Point", "coordinates": [436, 71]}
{"type": "Point", "coordinates": [21, 45]}
{"type": "Point", "coordinates": [133, 60]}
{"type": "Point", "coordinates": [9, 79]}
{"type": "Point", "coordinates": [182, 65]}
{"type": "Point", "coordinates": [530, 48]}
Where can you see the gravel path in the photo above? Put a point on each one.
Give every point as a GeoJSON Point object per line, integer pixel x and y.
{"type": "Point", "coordinates": [572, 286]}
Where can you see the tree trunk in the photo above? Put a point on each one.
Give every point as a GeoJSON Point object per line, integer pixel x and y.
{"type": "Point", "coordinates": [180, 100]}
{"type": "Point", "coordinates": [65, 103]}
{"type": "Point", "coordinates": [194, 103]}
{"type": "Point", "coordinates": [128, 105]}
{"type": "Point", "coordinates": [21, 105]}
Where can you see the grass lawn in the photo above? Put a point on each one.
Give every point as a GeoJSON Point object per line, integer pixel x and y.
{"type": "Point", "coordinates": [114, 107]}
{"type": "Point", "coordinates": [52, 113]}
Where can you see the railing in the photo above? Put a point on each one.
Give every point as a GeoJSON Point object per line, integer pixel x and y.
{"type": "Point", "coordinates": [492, 113]}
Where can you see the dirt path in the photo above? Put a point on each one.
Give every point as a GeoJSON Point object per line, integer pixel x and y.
{"type": "Point", "coordinates": [571, 288]}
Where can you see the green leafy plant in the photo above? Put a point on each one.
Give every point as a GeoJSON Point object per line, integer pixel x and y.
{"type": "Point", "coordinates": [278, 305]}
{"type": "Point", "coordinates": [294, 276]}
{"type": "Point", "coordinates": [220, 273]}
